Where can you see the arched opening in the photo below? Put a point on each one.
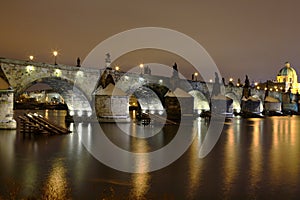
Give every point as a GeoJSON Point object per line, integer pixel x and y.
{"type": "Point", "coordinates": [236, 102]}
{"type": "Point", "coordinates": [200, 101]}
{"type": "Point", "coordinates": [62, 91]}
{"type": "Point", "coordinates": [148, 100]}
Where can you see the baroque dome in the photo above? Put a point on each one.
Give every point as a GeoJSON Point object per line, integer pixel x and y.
{"type": "Point", "coordinates": [287, 71]}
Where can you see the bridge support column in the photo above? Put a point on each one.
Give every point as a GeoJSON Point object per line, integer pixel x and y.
{"type": "Point", "coordinates": [112, 104]}
{"type": "Point", "coordinates": [6, 110]}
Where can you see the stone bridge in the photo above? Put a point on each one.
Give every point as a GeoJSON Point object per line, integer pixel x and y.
{"type": "Point", "coordinates": [76, 85]}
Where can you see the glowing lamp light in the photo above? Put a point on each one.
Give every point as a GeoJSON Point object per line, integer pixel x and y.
{"type": "Point", "coordinates": [29, 68]}
{"type": "Point", "coordinates": [196, 74]}
{"type": "Point", "coordinates": [89, 113]}
{"type": "Point", "coordinates": [141, 66]}
{"type": "Point", "coordinates": [231, 79]}
{"type": "Point", "coordinates": [57, 72]}
{"type": "Point", "coordinates": [31, 58]}
{"type": "Point", "coordinates": [266, 88]}
{"type": "Point", "coordinates": [79, 113]}
{"type": "Point", "coordinates": [258, 87]}
{"type": "Point", "coordinates": [256, 83]}
{"type": "Point", "coordinates": [210, 80]}
{"type": "Point", "coordinates": [80, 73]}
{"type": "Point", "coordinates": [117, 68]}
{"type": "Point", "coordinates": [71, 113]}
{"type": "Point", "coordinates": [55, 53]}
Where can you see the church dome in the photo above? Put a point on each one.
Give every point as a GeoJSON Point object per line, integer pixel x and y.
{"type": "Point", "coordinates": [287, 71]}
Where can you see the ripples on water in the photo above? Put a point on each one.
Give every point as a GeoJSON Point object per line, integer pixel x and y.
{"type": "Point", "coordinates": [253, 159]}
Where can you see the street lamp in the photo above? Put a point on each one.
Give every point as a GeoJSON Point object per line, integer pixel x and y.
{"type": "Point", "coordinates": [196, 74]}
{"type": "Point", "coordinates": [55, 53]}
{"type": "Point", "coordinates": [141, 66]}
{"type": "Point", "coordinates": [31, 58]}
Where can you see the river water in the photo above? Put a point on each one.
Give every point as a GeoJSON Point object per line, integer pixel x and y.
{"type": "Point", "coordinates": [253, 159]}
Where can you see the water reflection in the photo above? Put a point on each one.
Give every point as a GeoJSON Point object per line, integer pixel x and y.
{"type": "Point", "coordinates": [7, 150]}
{"type": "Point", "coordinates": [56, 186]}
{"type": "Point", "coordinates": [284, 153]}
{"type": "Point", "coordinates": [231, 156]}
{"type": "Point", "coordinates": [194, 166]}
{"type": "Point", "coordinates": [141, 181]}
{"type": "Point", "coordinates": [253, 159]}
{"type": "Point", "coordinates": [255, 171]}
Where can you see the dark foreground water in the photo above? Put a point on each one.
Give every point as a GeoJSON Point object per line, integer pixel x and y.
{"type": "Point", "coordinates": [253, 159]}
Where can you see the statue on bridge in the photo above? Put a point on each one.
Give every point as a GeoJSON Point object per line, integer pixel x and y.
{"type": "Point", "coordinates": [246, 88]}
{"type": "Point", "coordinates": [108, 61]}
{"type": "Point", "coordinates": [78, 62]}
{"type": "Point", "coordinates": [175, 70]}
{"type": "Point", "coordinates": [216, 87]}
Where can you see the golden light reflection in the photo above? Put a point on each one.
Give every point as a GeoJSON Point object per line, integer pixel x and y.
{"type": "Point", "coordinates": [57, 184]}
{"type": "Point", "coordinates": [230, 160]}
{"type": "Point", "coordinates": [141, 181]}
{"type": "Point", "coordinates": [47, 114]}
{"type": "Point", "coordinates": [255, 154]}
{"type": "Point", "coordinates": [285, 147]}
{"type": "Point", "coordinates": [194, 168]}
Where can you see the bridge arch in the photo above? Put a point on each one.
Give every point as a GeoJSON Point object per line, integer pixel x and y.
{"type": "Point", "coordinates": [200, 101]}
{"type": "Point", "coordinates": [148, 100]}
{"type": "Point", "coordinates": [236, 101]}
{"type": "Point", "coordinates": [77, 103]}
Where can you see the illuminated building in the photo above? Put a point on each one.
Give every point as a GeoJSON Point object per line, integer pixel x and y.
{"type": "Point", "coordinates": [288, 76]}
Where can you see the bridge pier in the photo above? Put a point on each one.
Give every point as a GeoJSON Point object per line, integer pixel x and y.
{"type": "Point", "coordinates": [6, 109]}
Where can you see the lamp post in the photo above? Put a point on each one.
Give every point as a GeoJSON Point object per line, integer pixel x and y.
{"type": "Point", "coordinates": [141, 66]}
{"type": "Point", "coordinates": [55, 53]}
{"type": "Point", "coordinates": [196, 74]}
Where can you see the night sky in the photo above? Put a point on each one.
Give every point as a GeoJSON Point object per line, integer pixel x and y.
{"type": "Point", "coordinates": [243, 37]}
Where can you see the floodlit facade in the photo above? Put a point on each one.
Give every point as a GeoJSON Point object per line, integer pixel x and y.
{"type": "Point", "coordinates": [288, 75]}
